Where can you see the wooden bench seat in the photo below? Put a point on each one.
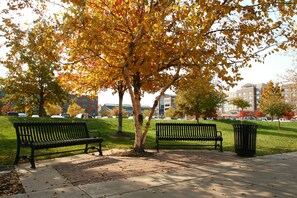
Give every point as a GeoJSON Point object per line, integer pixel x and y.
{"type": "Point", "coordinates": [188, 132]}
{"type": "Point", "coordinates": [44, 135]}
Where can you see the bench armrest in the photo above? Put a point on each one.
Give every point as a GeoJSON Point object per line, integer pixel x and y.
{"type": "Point", "coordinates": [220, 133]}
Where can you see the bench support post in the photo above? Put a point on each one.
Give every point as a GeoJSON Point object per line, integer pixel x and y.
{"type": "Point", "coordinates": [32, 160]}
{"type": "Point", "coordinates": [17, 156]}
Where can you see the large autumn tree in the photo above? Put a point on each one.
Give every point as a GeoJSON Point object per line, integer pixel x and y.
{"type": "Point", "coordinates": [153, 44]}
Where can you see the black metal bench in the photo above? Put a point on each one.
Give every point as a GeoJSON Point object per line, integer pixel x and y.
{"type": "Point", "coordinates": [188, 132]}
{"type": "Point", "coordinates": [44, 135]}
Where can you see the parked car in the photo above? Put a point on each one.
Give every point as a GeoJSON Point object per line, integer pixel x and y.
{"type": "Point", "coordinates": [22, 115]}
{"type": "Point", "coordinates": [12, 114]}
{"type": "Point", "coordinates": [249, 118]}
{"type": "Point", "coordinates": [80, 115]}
{"type": "Point", "coordinates": [66, 115]}
{"type": "Point", "coordinates": [57, 116]}
{"type": "Point", "coordinates": [284, 120]}
{"type": "Point", "coordinates": [35, 116]}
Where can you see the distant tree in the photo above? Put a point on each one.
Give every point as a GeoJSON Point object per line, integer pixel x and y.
{"type": "Point", "coordinates": [6, 108]}
{"type": "Point", "coordinates": [116, 112]}
{"type": "Point", "coordinates": [289, 115]}
{"type": "Point", "coordinates": [31, 61]}
{"type": "Point", "coordinates": [240, 103]}
{"type": "Point", "coordinates": [75, 109]}
{"type": "Point", "coordinates": [105, 113]}
{"type": "Point", "coordinates": [259, 114]}
{"type": "Point", "coordinates": [271, 90]}
{"type": "Point", "coordinates": [245, 113]}
{"type": "Point", "coordinates": [272, 102]}
{"type": "Point", "coordinates": [199, 98]}
{"type": "Point", "coordinates": [146, 112]}
{"type": "Point", "coordinates": [271, 96]}
{"type": "Point", "coordinates": [52, 109]}
{"type": "Point", "coordinates": [276, 107]}
{"type": "Point", "coordinates": [170, 112]}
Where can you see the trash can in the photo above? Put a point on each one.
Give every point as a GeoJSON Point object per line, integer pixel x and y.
{"type": "Point", "coordinates": [245, 139]}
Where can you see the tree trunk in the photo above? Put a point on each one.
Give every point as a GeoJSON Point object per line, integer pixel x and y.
{"type": "Point", "coordinates": [41, 110]}
{"type": "Point", "coordinates": [241, 120]}
{"type": "Point", "coordinates": [138, 117]}
{"type": "Point", "coordinates": [121, 92]}
{"type": "Point", "coordinates": [278, 121]}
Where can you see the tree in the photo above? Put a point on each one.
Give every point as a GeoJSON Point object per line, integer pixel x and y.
{"type": "Point", "coordinates": [31, 62]}
{"type": "Point", "coordinates": [170, 112]}
{"type": "Point", "coordinates": [259, 114]}
{"type": "Point", "coordinates": [75, 109]}
{"type": "Point", "coordinates": [197, 97]}
{"type": "Point", "coordinates": [271, 94]}
{"type": "Point", "coordinates": [6, 108]}
{"type": "Point", "coordinates": [272, 102]}
{"type": "Point", "coordinates": [121, 88]}
{"type": "Point", "coordinates": [146, 113]}
{"type": "Point", "coordinates": [240, 103]}
{"type": "Point", "coordinates": [116, 112]}
{"type": "Point", "coordinates": [152, 44]}
{"type": "Point", "coordinates": [276, 107]}
{"type": "Point", "coordinates": [105, 113]}
{"type": "Point", "coordinates": [52, 109]}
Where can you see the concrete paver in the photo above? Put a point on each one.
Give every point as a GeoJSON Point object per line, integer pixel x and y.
{"type": "Point", "coordinates": [266, 176]}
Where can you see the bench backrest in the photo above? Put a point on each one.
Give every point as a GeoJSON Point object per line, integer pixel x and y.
{"type": "Point", "coordinates": [185, 130]}
{"type": "Point", "coordinates": [28, 132]}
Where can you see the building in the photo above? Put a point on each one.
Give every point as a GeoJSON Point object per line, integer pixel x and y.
{"type": "Point", "coordinates": [290, 94]}
{"type": "Point", "coordinates": [127, 107]}
{"type": "Point", "coordinates": [249, 92]}
{"type": "Point", "coordinates": [90, 105]}
{"type": "Point", "coordinates": [165, 103]}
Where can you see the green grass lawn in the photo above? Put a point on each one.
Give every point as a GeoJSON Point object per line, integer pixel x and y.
{"type": "Point", "coordinates": [270, 140]}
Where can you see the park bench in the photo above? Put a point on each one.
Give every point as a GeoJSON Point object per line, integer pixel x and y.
{"type": "Point", "coordinates": [188, 132]}
{"type": "Point", "coordinates": [44, 135]}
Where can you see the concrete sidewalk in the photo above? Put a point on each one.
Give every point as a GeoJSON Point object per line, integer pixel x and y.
{"type": "Point", "coordinates": [267, 176]}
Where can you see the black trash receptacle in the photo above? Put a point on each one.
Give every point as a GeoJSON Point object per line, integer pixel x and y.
{"type": "Point", "coordinates": [245, 139]}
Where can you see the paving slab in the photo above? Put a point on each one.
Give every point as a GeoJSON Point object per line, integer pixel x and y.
{"type": "Point", "coordinates": [110, 188]}
{"type": "Point", "coordinates": [66, 192]}
{"type": "Point", "coordinates": [41, 178]}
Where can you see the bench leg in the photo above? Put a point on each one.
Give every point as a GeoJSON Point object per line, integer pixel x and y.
{"type": "Point", "coordinates": [157, 142]}
{"type": "Point", "coordinates": [221, 146]}
{"type": "Point", "coordinates": [86, 149]}
{"type": "Point", "coordinates": [32, 160]}
{"type": "Point", "coordinates": [100, 149]}
{"type": "Point", "coordinates": [17, 156]}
